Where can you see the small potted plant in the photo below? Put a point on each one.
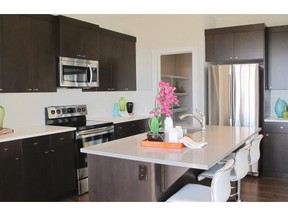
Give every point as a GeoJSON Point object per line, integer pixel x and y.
{"type": "Point", "coordinates": [163, 109]}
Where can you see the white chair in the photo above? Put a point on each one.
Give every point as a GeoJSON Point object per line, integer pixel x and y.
{"type": "Point", "coordinates": [239, 171]}
{"type": "Point", "coordinates": [254, 154]}
{"type": "Point", "coordinates": [219, 191]}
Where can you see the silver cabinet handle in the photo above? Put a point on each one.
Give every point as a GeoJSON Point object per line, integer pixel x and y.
{"type": "Point", "coordinates": [6, 149]}
{"type": "Point", "coordinates": [61, 138]}
{"type": "Point", "coordinates": [52, 150]}
{"type": "Point", "coordinates": [29, 89]}
{"type": "Point", "coordinates": [36, 89]}
{"type": "Point", "coordinates": [46, 152]}
{"type": "Point", "coordinates": [35, 143]}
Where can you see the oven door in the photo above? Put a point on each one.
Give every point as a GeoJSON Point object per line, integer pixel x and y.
{"type": "Point", "coordinates": [89, 138]}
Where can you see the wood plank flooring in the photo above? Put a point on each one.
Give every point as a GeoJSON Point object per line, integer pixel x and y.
{"type": "Point", "coordinates": [253, 189]}
{"type": "Point", "coordinates": [264, 189]}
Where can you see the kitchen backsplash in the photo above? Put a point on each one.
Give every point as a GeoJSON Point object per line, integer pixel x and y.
{"type": "Point", "coordinates": [27, 109]}
{"type": "Point", "coordinates": [275, 94]}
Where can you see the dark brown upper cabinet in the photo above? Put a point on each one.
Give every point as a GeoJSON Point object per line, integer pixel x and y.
{"type": "Point", "coordinates": [117, 62]}
{"type": "Point", "coordinates": [235, 44]}
{"type": "Point", "coordinates": [77, 39]}
{"type": "Point", "coordinates": [277, 57]}
{"type": "Point", "coordinates": [29, 53]}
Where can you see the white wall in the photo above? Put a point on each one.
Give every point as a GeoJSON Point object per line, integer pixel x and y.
{"type": "Point", "coordinates": [153, 32]}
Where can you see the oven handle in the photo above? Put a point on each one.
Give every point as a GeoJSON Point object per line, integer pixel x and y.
{"type": "Point", "coordinates": [91, 133]}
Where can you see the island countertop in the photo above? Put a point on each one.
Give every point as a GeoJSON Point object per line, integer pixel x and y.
{"type": "Point", "coordinates": [222, 140]}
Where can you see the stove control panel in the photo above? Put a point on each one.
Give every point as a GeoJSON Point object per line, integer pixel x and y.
{"type": "Point", "coordinates": [53, 112]}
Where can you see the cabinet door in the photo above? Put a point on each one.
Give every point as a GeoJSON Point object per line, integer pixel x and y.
{"type": "Point", "coordinates": [11, 169]}
{"type": "Point", "coordinates": [277, 59]}
{"type": "Point", "coordinates": [130, 128]}
{"type": "Point", "coordinates": [69, 41]}
{"type": "Point", "coordinates": [44, 55]}
{"type": "Point", "coordinates": [249, 45]}
{"type": "Point", "coordinates": [127, 77]}
{"type": "Point", "coordinates": [219, 47]}
{"type": "Point", "coordinates": [1, 73]}
{"type": "Point", "coordinates": [63, 176]}
{"type": "Point", "coordinates": [106, 62]}
{"type": "Point", "coordinates": [89, 43]}
{"type": "Point", "coordinates": [117, 64]}
{"type": "Point", "coordinates": [36, 159]}
{"type": "Point", "coordinates": [77, 41]}
{"type": "Point", "coordinates": [275, 160]}
{"type": "Point", "coordinates": [17, 53]}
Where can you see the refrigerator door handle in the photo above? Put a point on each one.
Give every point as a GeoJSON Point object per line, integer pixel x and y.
{"type": "Point", "coordinates": [230, 96]}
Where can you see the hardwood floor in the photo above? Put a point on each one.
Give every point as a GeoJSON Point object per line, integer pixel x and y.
{"type": "Point", "coordinates": [264, 189]}
{"type": "Point", "coordinates": [253, 189]}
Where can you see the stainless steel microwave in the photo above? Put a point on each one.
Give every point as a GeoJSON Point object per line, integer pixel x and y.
{"type": "Point", "coordinates": [78, 73]}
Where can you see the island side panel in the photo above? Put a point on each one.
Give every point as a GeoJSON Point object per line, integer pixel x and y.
{"type": "Point", "coordinates": [113, 179]}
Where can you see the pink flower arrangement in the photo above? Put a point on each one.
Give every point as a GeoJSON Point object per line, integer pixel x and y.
{"type": "Point", "coordinates": [164, 100]}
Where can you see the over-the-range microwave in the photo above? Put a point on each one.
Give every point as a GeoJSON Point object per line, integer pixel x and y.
{"type": "Point", "coordinates": [78, 73]}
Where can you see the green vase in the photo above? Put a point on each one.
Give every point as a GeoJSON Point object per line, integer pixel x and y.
{"type": "Point", "coordinates": [122, 104]}
{"type": "Point", "coordinates": [2, 113]}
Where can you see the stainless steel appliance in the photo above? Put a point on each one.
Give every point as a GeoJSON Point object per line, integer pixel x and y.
{"type": "Point", "coordinates": [233, 96]}
{"type": "Point", "coordinates": [78, 73]}
{"type": "Point", "coordinates": [87, 133]}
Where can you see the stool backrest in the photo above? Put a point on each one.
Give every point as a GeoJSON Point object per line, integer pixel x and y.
{"type": "Point", "coordinates": [254, 154]}
{"type": "Point", "coordinates": [241, 167]}
{"type": "Point", "coordinates": [220, 185]}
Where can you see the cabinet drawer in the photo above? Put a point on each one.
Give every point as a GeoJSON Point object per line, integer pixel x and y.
{"type": "Point", "coordinates": [276, 127]}
{"type": "Point", "coordinates": [10, 149]}
{"type": "Point", "coordinates": [36, 144]}
{"type": "Point", "coordinates": [62, 139]}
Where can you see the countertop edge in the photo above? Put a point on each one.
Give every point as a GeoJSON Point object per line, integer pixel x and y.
{"type": "Point", "coordinates": [23, 133]}
{"type": "Point", "coordinates": [275, 119]}
{"type": "Point", "coordinates": [129, 157]}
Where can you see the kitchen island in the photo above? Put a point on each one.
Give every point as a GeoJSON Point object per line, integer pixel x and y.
{"type": "Point", "coordinates": [123, 170]}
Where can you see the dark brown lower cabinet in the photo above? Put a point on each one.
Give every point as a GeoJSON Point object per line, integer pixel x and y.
{"type": "Point", "coordinates": [130, 128]}
{"type": "Point", "coordinates": [36, 160]}
{"type": "Point", "coordinates": [49, 171]}
{"type": "Point", "coordinates": [275, 150]}
{"type": "Point", "coordinates": [63, 174]}
{"type": "Point", "coordinates": [11, 171]}
{"type": "Point", "coordinates": [275, 158]}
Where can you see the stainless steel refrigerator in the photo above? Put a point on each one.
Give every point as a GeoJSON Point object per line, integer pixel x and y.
{"type": "Point", "coordinates": [233, 96]}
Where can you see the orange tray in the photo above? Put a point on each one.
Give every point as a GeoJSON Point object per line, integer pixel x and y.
{"type": "Point", "coordinates": [155, 144]}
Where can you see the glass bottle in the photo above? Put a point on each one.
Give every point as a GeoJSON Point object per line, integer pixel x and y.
{"type": "Point", "coordinates": [122, 104]}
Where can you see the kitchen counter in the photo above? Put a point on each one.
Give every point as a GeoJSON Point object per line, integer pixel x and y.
{"type": "Point", "coordinates": [120, 119]}
{"type": "Point", "coordinates": [222, 140]}
{"type": "Point", "coordinates": [275, 119]}
{"type": "Point", "coordinates": [23, 133]}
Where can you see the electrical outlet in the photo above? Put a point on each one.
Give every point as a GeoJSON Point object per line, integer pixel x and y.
{"type": "Point", "coordinates": [143, 173]}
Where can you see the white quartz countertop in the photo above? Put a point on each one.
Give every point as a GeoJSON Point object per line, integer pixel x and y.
{"type": "Point", "coordinates": [222, 140]}
{"type": "Point", "coordinates": [29, 132]}
{"type": "Point", "coordinates": [275, 119]}
{"type": "Point", "coordinates": [120, 119]}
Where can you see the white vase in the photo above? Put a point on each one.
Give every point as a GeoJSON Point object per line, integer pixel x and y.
{"type": "Point", "coordinates": [168, 124]}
